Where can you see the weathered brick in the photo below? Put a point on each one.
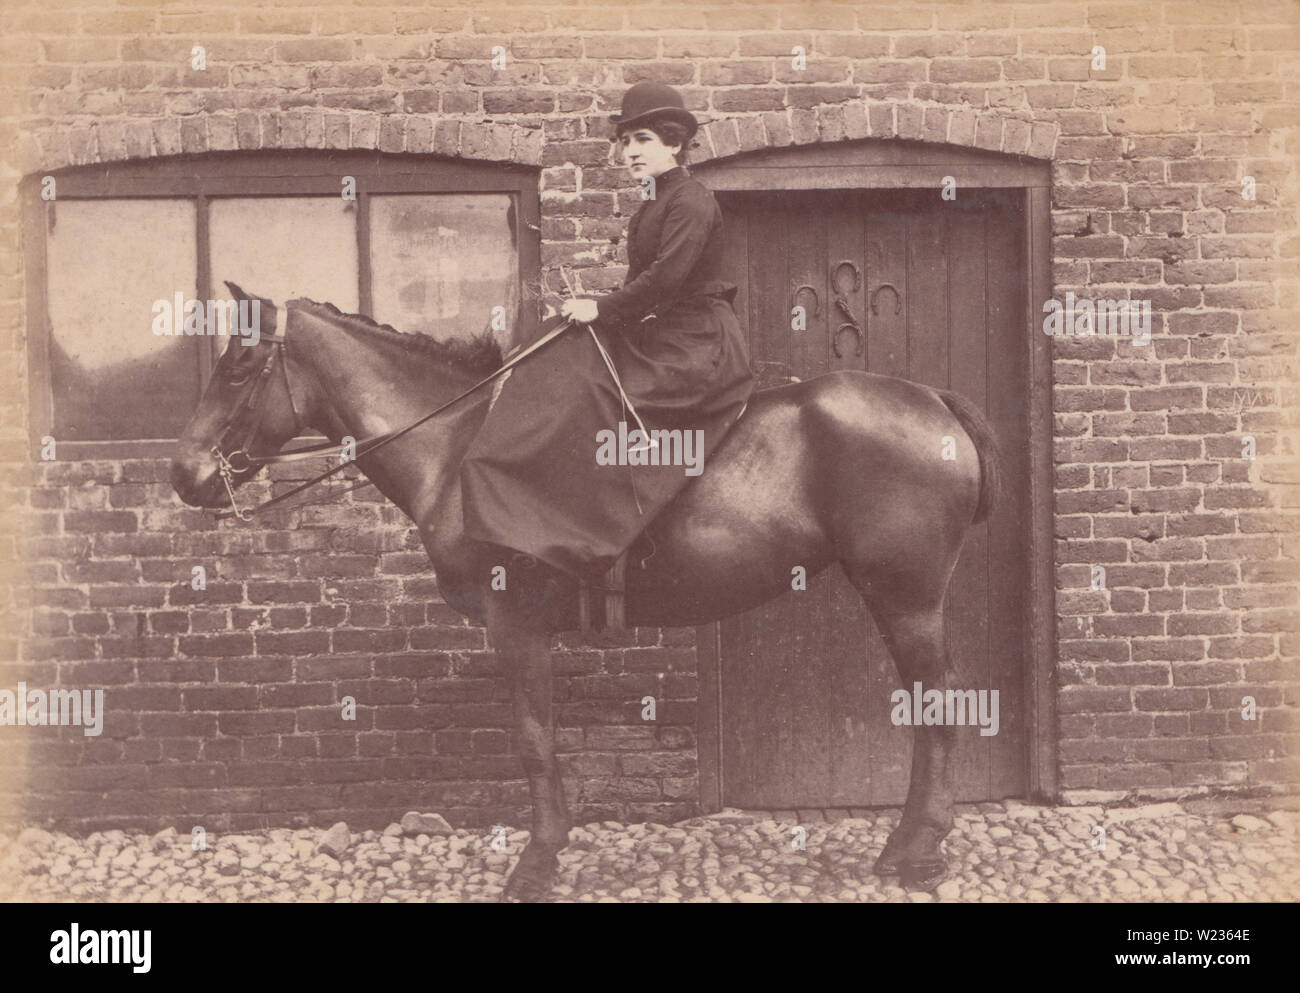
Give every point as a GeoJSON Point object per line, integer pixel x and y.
{"type": "Point", "coordinates": [1147, 161]}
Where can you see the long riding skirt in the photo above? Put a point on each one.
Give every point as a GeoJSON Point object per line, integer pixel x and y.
{"type": "Point", "coordinates": [553, 471]}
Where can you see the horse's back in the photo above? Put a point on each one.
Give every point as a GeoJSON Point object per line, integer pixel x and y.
{"type": "Point", "coordinates": [849, 400]}
{"type": "Point", "coordinates": [800, 438]}
{"type": "Point", "coordinates": [846, 466]}
{"type": "Point", "coordinates": [824, 439]}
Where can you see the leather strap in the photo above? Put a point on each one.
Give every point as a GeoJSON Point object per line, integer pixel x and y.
{"type": "Point", "coordinates": [364, 447]}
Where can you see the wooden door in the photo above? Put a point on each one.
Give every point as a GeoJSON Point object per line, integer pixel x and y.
{"type": "Point", "coordinates": [933, 291]}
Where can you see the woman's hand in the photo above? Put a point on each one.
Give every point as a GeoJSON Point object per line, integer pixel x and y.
{"type": "Point", "coordinates": [581, 310]}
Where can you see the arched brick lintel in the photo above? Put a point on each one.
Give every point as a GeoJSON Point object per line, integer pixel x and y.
{"type": "Point", "coordinates": [965, 127]}
{"type": "Point", "coordinates": [121, 139]}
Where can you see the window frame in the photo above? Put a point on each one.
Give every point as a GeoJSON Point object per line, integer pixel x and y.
{"type": "Point", "coordinates": [212, 175]}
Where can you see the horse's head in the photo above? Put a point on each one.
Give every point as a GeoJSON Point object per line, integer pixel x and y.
{"type": "Point", "coordinates": [246, 411]}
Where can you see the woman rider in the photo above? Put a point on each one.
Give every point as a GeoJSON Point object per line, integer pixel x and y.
{"type": "Point", "coordinates": [537, 479]}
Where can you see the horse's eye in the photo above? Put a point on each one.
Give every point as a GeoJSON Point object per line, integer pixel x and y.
{"type": "Point", "coordinates": [241, 365]}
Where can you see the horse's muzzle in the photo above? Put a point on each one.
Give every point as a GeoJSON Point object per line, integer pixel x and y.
{"type": "Point", "coordinates": [197, 481]}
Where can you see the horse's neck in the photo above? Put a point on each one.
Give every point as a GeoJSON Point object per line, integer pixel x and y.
{"type": "Point", "coordinates": [364, 386]}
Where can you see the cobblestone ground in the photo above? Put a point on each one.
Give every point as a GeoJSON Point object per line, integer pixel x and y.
{"type": "Point", "coordinates": [996, 852]}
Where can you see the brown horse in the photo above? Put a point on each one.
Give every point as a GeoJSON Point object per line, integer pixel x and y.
{"type": "Point", "coordinates": [881, 475]}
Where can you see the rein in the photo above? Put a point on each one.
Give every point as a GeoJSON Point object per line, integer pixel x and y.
{"type": "Point", "coordinates": [247, 412]}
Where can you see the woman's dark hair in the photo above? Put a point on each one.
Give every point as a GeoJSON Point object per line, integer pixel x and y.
{"type": "Point", "coordinates": [670, 132]}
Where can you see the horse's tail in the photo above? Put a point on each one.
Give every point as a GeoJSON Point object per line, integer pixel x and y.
{"type": "Point", "coordinates": [975, 424]}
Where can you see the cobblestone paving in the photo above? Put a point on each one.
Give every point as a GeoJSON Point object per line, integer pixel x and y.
{"type": "Point", "coordinates": [996, 852]}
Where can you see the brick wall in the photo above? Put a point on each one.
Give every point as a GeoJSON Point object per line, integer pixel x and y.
{"type": "Point", "coordinates": [224, 705]}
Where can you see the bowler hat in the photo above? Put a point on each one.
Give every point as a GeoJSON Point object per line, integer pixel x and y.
{"type": "Point", "coordinates": [648, 100]}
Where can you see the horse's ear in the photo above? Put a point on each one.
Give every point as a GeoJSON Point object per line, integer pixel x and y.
{"type": "Point", "coordinates": [272, 314]}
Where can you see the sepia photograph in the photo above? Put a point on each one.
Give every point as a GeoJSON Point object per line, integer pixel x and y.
{"type": "Point", "coordinates": [651, 451]}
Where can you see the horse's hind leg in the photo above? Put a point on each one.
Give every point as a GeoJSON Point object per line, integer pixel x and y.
{"type": "Point", "coordinates": [915, 639]}
{"type": "Point", "coordinates": [517, 622]}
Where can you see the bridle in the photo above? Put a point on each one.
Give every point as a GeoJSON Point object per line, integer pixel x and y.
{"type": "Point", "coordinates": [246, 421]}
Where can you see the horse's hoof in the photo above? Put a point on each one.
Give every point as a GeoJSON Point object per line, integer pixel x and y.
{"type": "Point", "coordinates": [526, 888]}
{"type": "Point", "coordinates": [532, 878]}
{"type": "Point", "coordinates": [922, 874]}
{"type": "Point", "coordinates": [887, 864]}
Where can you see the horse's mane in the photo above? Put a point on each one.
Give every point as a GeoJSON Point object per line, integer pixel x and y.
{"type": "Point", "coordinates": [480, 354]}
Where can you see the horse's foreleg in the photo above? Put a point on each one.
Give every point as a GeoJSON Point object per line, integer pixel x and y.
{"type": "Point", "coordinates": [916, 642]}
{"type": "Point", "coordinates": [521, 639]}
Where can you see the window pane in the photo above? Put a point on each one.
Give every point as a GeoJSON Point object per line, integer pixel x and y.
{"type": "Point", "coordinates": [286, 247]}
{"type": "Point", "coordinates": [440, 263]}
{"type": "Point", "coordinates": [108, 261]}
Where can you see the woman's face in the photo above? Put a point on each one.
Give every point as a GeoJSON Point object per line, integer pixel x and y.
{"type": "Point", "coordinates": [645, 154]}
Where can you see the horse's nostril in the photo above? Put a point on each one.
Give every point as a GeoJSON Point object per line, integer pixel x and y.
{"type": "Point", "coordinates": [191, 477]}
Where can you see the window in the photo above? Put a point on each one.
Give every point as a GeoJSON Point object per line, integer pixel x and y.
{"type": "Point", "coordinates": [427, 245]}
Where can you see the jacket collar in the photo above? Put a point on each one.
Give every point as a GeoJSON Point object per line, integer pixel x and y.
{"type": "Point", "coordinates": [674, 175]}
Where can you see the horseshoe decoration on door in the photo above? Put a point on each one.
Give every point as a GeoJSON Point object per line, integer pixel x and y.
{"type": "Point", "coordinates": [842, 303]}
{"type": "Point", "coordinates": [816, 307]}
{"type": "Point", "coordinates": [835, 342]}
{"type": "Point", "coordinates": [898, 298]}
{"type": "Point", "coordinates": [854, 271]}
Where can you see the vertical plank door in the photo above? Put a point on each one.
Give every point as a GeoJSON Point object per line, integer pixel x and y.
{"type": "Point", "coordinates": [934, 291]}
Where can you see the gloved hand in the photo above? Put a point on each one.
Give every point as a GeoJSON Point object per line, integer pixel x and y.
{"type": "Point", "coordinates": [582, 310]}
